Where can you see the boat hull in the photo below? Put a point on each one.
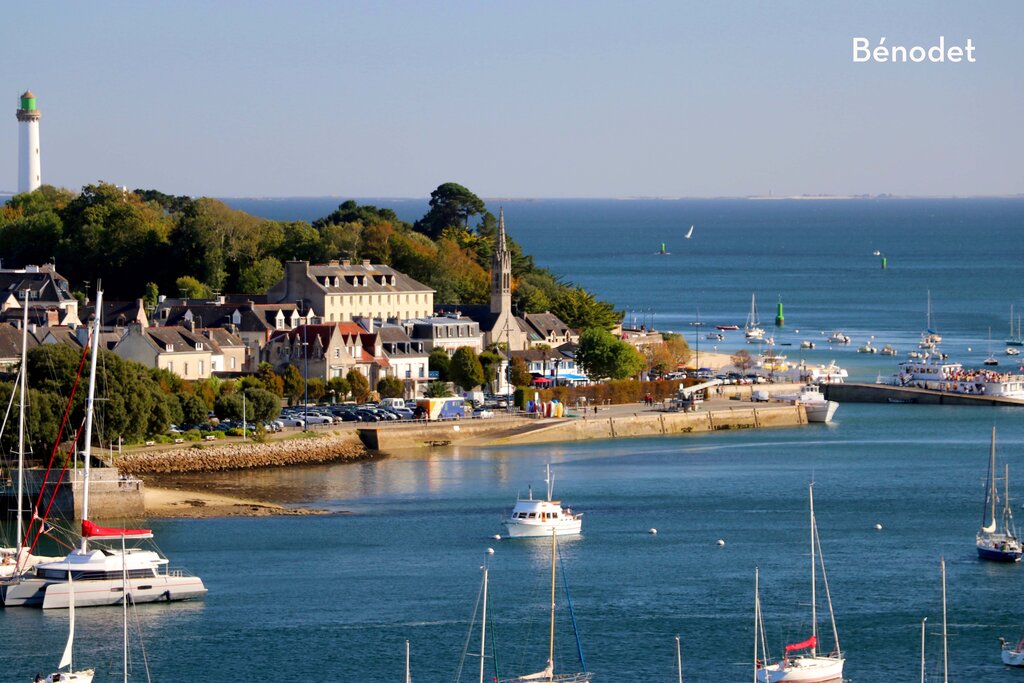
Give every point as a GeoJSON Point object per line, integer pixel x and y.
{"type": "Point", "coordinates": [84, 676]}
{"type": "Point", "coordinates": [820, 411]}
{"type": "Point", "coordinates": [998, 555]}
{"type": "Point", "coordinates": [36, 592]}
{"type": "Point", "coordinates": [516, 528]}
{"type": "Point", "coordinates": [803, 670]}
{"type": "Point", "coordinates": [1013, 657]}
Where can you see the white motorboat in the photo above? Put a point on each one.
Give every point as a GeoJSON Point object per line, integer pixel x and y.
{"type": "Point", "coordinates": [1012, 351]}
{"type": "Point", "coordinates": [532, 518]}
{"type": "Point", "coordinates": [715, 336]}
{"type": "Point", "coordinates": [752, 330]}
{"type": "Point", "coordinates": [867, 348]}
{"type": "Point", "coordinates": [806, 344]}
{"type": "Point", "coordinates": [818, 408]}
{"type": "Point", "coordinates": [888, 350]}
{"type": "Point", "coordinates": [822, 373]}
{"type": "Point", "coordinates": [806, 668]}
{"type": "Point", "coordinates": [995, 543]}
{"type": "Point", "coordinates": [838, 338]}
{"type": "Point", "coordinates": [99, 570]}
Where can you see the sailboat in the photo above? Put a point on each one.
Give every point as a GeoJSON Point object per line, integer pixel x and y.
{"type": "Point", "coordinates": [806, 668]}
{"type": "Point", "coordinates": [752, 330]}
{"type": "Point", "coordinates": [929, 338]}
{"type": "Point", "coordinates": [993, 543]}
{"type": "Point", "coordinates": [990, 360]}
{"type": "Point", "coordinates": [99, 569]}
{"type": "Point", "coordinates": [548, 672]}
{"type": "Point", "coordinates": [1015, 338]}
{"type": "Point", "coordinates": [71, 676]}
{"type": "Point", "coordinates": [689, 233]}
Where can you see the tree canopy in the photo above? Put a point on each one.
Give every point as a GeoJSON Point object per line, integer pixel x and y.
{"type": "Point", "coordinates": [602, 356]}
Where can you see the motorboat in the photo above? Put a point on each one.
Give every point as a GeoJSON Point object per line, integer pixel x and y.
{"type": "Point", "coordinates": [867, 348]}
{"type": "Point", "coordinates": [819, 409]}
{"type": "Point", "coordinates": [104, 574]}
{"type": "Point", "coordinates": [806, 344]}
{"type": "Point", "coordinates": [995, 541]}
{"type": "Point", "coordinates": [914, 354]}
{"type": "Point", "coordinates": [532, 518]}
{"type": "Point", "coordinates": [888, 350]}
{"type": "Point", "coordinates": [838, 338]}
{"type": "Point", "coordinates": [727, 328]}
{"type": "Point", "coordinates": [811, 667]}
{"type": "Point", "coordinates": [822, 373]}
{"type": "Point", "coordinates": [715, 336]}
{"type": "Point", "coordinates": [1012, 351]}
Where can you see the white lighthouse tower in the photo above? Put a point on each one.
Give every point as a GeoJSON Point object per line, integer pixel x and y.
{"type": "Point", "coordinates": [29, 175]}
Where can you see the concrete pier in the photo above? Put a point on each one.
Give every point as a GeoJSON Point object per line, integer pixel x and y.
{"type": "Point", "coordinates": [885, 393]}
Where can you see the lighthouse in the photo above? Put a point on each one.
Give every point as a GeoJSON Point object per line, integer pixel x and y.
{"type": "Point", "coordinates": [29, 175]}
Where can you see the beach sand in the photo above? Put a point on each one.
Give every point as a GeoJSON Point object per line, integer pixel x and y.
{"type": "Point", "coordinates": [190, 503]}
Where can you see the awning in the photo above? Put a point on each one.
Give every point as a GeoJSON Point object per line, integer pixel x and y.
{"type": "Point", "coordinates": [542, 380]}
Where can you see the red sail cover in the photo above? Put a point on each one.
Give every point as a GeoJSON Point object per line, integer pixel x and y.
{"type": "Point", "coordinates": [89, 530]}
{"type": "Point", "coordinates": [810, 642]}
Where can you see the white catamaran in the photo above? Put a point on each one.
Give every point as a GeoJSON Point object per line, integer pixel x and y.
{"type": "Point", "coordinates": [807, 668]}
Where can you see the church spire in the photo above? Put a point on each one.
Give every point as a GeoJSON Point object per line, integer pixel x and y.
{"type": "Point", "coordinates": [501, 272]}
{"type": "Point", "coordinates": [501, 246]}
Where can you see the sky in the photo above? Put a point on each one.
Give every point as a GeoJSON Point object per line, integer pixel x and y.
{"type": "Point", "coordinates": [516, 99]}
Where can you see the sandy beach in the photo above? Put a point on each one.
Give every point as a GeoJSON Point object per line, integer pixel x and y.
{"type": "Point", "coordinates": [173, 502]}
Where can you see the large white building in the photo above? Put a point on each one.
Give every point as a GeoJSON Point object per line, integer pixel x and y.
{"type": "Point", "coordinates": [29, 173]}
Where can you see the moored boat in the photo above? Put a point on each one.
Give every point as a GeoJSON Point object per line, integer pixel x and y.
{"type": "Point", "coordinates": [933, 372]}
{"type": "Point", "coordinates": [532, 518]}
{"type": "Point", "coordinates": [818, 408]}
{"type": "Point", "coordinates": [888, 350]}
{"type": "Point", "coordinates": [727, 328]}
{"type": "Point", "coordinates": [994, 541]}
{"type": "Point", "coordinates": [752, 330]}
{"type": "Point", "coordinates": [838, 338]}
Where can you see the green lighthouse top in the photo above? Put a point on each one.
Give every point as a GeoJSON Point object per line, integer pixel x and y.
{"type": "Point", "coordinates": [28, 101]}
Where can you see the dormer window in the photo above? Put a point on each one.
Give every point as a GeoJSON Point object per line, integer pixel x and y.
{"type": "Point", "coordinates": [169, 348]}
{"type": "Point", "coordinates": [199, 346]}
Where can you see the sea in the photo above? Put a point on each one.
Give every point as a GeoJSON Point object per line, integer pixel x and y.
{"type": "Point", "coordinates": [896, 487]}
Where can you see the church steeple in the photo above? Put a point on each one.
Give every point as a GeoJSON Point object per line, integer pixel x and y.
{"type": "Point", "coordinates": [501, 271]}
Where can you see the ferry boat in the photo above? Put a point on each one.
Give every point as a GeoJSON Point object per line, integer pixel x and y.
{"type": "Point", "coordinates": [532, 518]}
{"type": "Point", "coordinates": [934, 372]}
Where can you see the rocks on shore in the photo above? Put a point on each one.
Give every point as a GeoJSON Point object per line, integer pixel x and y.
{"type": "Point", "coordinates": [301, 451]}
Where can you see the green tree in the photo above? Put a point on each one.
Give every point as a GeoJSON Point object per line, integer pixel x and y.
{"type": "Point", "coordinates": [451, 204]}
{"type": "Point", "coordinates": [358, 385]}
{"type": "Point", "coordinates": [191, 288]}
{"type": "Point", "coordinates": [437, 390]}
{"type": "Point", "coordinates": [390, 387]}
{"type": "Point", "coordinates": [340, 386]}
{"type": "Point", "coordinates": [258, 277]}
{"type": "Point", "coordinates": [150, 297]}
{"type": "Point", "coordinates": [439, 361]}
{"type": "Point", "coordinates": [580, 310]}
{"type": "Point", "coordinates": [317, 389]}
{"type": "Point", "coordinates": [294, 384]}
{"type": "Point", "coordinates": [193, 409]}
{"type": "Point", "coordinates": [262, 405]}
{"type": "Point", "coordinates": [602, 356]}
{"type": "Point", "coordinates": [491, 362]}
{"type": "Point", "coordinates": [466, 370]}
{"type": "Point", "coordinates": [270, 380]}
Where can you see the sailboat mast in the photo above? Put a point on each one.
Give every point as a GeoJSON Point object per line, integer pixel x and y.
{"type": "Point", "coordinates": [945, 644]}
{"type": "Point", "coordinates": [548, 480]}
{"type": "Point", "coordinates": [125, 595]}
{"type": "Point", "coordinates": [923, 622]}
{"type": "Point", "coordinates": [757, 620]}
{"type": "Point", "coordinates": [992, 475]}
{"type": "Point", "coordinates": [551, 640]}
{"type": "Point", "coordinates": [1007, 513]}
{"type": "Point", "coordinates": [814, 601]}
{"type": "Point", "coordinates": [483, 631]}
{"type": "Point", "coordinates": [21, 427]}
{"type": "Point", "coordinates": [408, 674]}
{"type": "Point", "coordinates": [679, 659]}
{"type": "Point", "coordinates": [87, 446]}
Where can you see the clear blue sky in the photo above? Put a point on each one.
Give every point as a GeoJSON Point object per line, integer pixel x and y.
{"type": "Point", "coordinates": [515, 99]}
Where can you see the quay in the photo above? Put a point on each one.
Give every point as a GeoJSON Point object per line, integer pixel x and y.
{"type": "Point", "coordinates": [610, 422]}
{"type": "Point", "coordinates": [885, 393]}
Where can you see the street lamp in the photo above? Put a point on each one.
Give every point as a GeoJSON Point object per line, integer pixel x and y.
{"type": "Point", "coordinates": [555, 362]}
{"type": "Point", "coordinates": [305, 372]}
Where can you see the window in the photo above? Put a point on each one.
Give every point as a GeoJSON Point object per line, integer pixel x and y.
{"type": "Point", "coordinates": [170, 366]}
{"type": "Point", "coordinates": [232, 362]}
{"type": "Point", "coordinates": [186, 370]}
{"type": "Point", "coordinates": [201, 368]}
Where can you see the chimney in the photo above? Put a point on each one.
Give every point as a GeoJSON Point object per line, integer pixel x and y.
{"type": "Point", "coordinates": [161, 298]}
{"type": "Point", "coordinates": [366, 264]}
{"type": "Point", "coordinates": [346, 263]}
{"type": "Point", "coordinates": [333, 262]}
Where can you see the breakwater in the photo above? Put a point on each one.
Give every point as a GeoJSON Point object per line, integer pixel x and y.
{"type": "Point", "coordinates": [619, 422]}
{"type": "Point", "coordinates": [209, 458]}
{"type": "Point", "coordinates": [885, 393]}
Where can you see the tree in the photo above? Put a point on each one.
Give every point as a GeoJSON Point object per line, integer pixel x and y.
{"type": "Point", "coordinates": [262, 405]}
{"type": "Point", "coordinates": [390, 387]}
{"type": "Point", "coordinates": [578, 309]}
{"type": "Point", "coordinates": [340, 387]}
{"type": "Point", "coordinates": [151, 297]}
{"type": "Point", "coordinates": [193, 409]}
{"type": "Point", "coordinates": [437, 390]}
{"type": "Point", "coordinates": [601, 355]}
{"type": "Point", "coordinates": [451, 204]}
{"type": "Point", "coordinates": [742, 360]}
{"type": "Point", "coordinates": [439, 361]}
{"type": "Point", "coordinates": [270, 380]}
{"type": "Point", "coordinates": [316, 389]}
{"type": "Point", "coordinates": [191, 288]}
{"type": "Point", "coordinates": [358, 385]}
{"type": "Point", "coordinates": [294, 384]}
{"type": "Point", "coordinates": [519, 374]}
{"type": "Point", "coordinates": [466, 370]}
{"type": "Point", "coordinates": [491, 362]}
{"type": "Point", "coordinates": [668, 356]}
{"type": "Point", "coordinates": [258, 277]}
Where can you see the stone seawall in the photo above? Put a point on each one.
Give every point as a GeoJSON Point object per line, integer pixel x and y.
{"type": "Point", "coordinates": [885, 393]}
{"type": "Point", "coordinates": [210, 458]}
{"type": "Point", "coordinates": [614, 426]}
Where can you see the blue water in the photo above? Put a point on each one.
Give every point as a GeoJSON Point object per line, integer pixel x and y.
{"type": "Point", "coordinates": [335, 597]}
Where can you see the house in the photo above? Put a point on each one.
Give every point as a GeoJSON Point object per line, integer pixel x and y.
{"type": "Point", "coordinates": [448, 332]}
{"type": "Point", "coordinates": [175, 349]}
{"type": "Point", "coordinates": [408, 358]}
{"type": "Point", "coordinates": [49, 295]}
{"type": "Point", "coordinates": [10, 347]}
{"type": "Point", "coordinates": [333, 350]}
{"type": "Point", "coordinates": [551, 329]}
{"type": "Point", "coordinates": [553, 366]}
{"type": "Point", "coordinates": [230, 355]}
{"type": "Point", "coordinates": [340, 291]}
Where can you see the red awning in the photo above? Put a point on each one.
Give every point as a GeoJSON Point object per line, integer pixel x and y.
{"type": "Point", "coordinates": [810, 642]}
{"type": "Point", "coordinates": [542, 380]}
{"type": "Point", "coordinates": [90, 530]}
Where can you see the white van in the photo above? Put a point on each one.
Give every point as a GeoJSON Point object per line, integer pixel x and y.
{"type": "Point", "coordinates": [392, 403]}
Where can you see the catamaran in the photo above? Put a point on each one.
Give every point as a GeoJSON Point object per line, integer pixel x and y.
{"type": "Point", "coordinates": [535, 518]}
{"type": "Point", "coordinates": [806, 668]}
{"type": "Point", "coordinates": [98, 569]}
{"type": "Point", "coordinates": [1000, 545]}
{"type": "Point", "coordinates": [752, 330]}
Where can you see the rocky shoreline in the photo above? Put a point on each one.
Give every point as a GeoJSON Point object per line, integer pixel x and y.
{"type": "Point", "coordinates": [238, 456]}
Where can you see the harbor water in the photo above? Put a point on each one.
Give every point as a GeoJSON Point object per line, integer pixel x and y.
{"type": "Point", "coordinates": [335, 597]}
